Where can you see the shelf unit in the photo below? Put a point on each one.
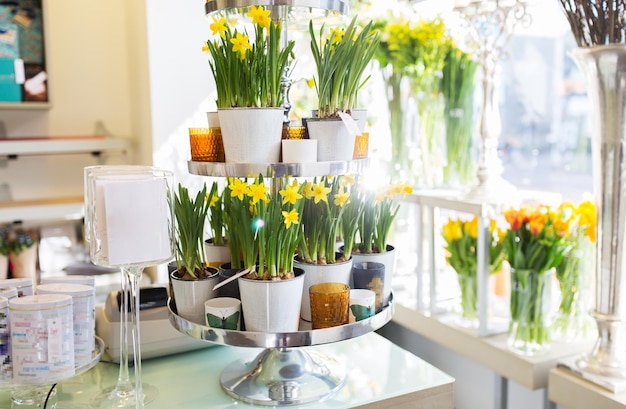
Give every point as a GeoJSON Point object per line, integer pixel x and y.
{"type": "Point", "coordinates": [55, 208]}
{"type": "Point", "coordinates": [15, 147]}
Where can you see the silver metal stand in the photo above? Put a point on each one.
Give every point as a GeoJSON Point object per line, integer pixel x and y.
{"type": "Point", "coordinates": [284, 373]}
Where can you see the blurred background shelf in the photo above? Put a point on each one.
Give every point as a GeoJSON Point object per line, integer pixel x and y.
{"type": "Point", "coordinates": [15, 147]}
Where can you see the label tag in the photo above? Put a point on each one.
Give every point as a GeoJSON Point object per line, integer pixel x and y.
{"type": "Point", "coordinates": [350, 123]}
{"type": "Point", "coordinates": [135, 221]}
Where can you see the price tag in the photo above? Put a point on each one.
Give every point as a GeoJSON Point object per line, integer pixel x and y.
{"type": "Point", "coordinates": [350, 123]}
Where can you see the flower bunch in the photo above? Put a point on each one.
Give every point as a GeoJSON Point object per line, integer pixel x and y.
{"type": "Point", "coordinates": [461, 237]}
{"type": "Point", "coordinates": [263, 226]}
{"type": "Point", "coordinates": [324, 205]}
{"type": "Point", "coordinates": [341, 57]}
{"type": "Point", "coordinates": [412, 55]}
{"type": "Point", "coordinates": [381, 208]}
{"type": "Point", "coordinates": [573, 272]}
{"type": "Point", "coordinates": [536, 237]}
{"type": "Point", "coordinates": [416, 49]}
{"type": "Point", "coordinates": [457, 87]}
{"type": "Point", "coordinates": [248, 73]}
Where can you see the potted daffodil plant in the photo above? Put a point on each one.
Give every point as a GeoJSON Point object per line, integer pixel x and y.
{"type": "Point", "coordinates": [248, 62]}
{"type": "Point", "coordinates": [381, 207]}
{"type": "Point", "coordinates": [325, 201]}
{"type": "Point", "coordinates": [263, 233]}
{"type": "Point", "coordinates": [193, 280]}
{"type": "Point", "coordinates": [341, 57]}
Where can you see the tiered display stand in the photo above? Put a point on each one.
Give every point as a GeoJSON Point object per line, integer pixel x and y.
{"type": "Point", "coordinates": [284, 373]}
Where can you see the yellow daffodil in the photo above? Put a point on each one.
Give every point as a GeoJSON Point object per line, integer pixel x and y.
{"type": "Point", "coordinates": [341, 198]}
{"type": "Point", "coordinates": [320, 192]}
{"type": "Point", "coordinates": [238, 188]}
{"type": "Point", "coordinates": [218, 26]}
{"type": "Point", "coordinates": [258, 191]}
{"type": "Point", "coordinates": [205, 48]}
{"type": "Point", "coordinates": [260, 16]}
{"type": "Point", "coordinates": [290, 217]}
{"type": "Point", "coordinates": [336, 34]}
{"type": "Point", "coordinates": [241, 44]}
{"type": "Point", "coordinates": [310, 82]}
{"type": "Point", "coordinates": [290, 193]}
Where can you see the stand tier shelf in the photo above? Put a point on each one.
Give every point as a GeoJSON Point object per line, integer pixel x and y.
{"type": "Point", "coordinates": [276, 170]}
{"type": "Point", "coordinates": [283, 373]}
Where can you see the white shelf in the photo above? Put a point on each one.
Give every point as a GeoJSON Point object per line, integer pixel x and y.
{"type": "Point", "coordinates": [573, 392]}
{"type": "Point", "coordinates": [44, 146]}
{"type": "Point", "coordinates": [42, 210]}
{"type": "Point", "coordinates": [491, 352]}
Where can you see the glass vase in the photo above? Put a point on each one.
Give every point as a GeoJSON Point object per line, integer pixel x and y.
{"type": "Point", "coordinates": [469, 300]}
{"type": "Point", "coordinates": [574, 273]}
{"type": "Point", "coordinates": [529, 328]}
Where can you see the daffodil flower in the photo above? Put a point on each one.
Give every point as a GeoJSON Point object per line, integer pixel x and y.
{"type": "Point", "coordinates": [290, 193]}
{"type": "Point", "coordinates": [258, 191]}
{"type": "Point", "coordinates": [260, 16]}
{"type": "Point", "coordinates": [290, 217]}
{"type": "Point", "coordinates": [238, 188]}
{"type": "Point", "coordinates": [341, 198]}
{"type": "Point", "coordinates": [218, 26]}
{"type": "Point", "coordinates": [241, 44]}
{"type": "Point", "coordinates": [320, 192]}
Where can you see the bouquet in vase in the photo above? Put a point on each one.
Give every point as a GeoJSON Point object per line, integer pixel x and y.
{"type": "Point", "coordinates": [535, 243]}
{"type": "Point", "coordinates": [461, 237]}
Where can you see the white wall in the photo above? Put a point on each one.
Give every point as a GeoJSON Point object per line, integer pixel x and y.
{"type": "Point", "coordinates": [181, 87]}
{"type": "Point", "coordinates": [89, 66]}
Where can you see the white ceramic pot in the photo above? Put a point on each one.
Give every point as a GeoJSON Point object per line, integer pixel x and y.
{"type": "Point", "coordinates": [272, 306]}
{"type": "Point", "coordinates": [190, 295]}
{"type": "Point", "coordinates": [213, 119]}
{"type": "Point", "coordinates": [388, 258]}
{"type": "Point", "coordinates": [251, 135]}
{"type": "Point", "coordinates": [214, 255]}
{"type": "Point", "coordinates": [321, 273]}
{"type": "Point", "coordinates": [334, 141]}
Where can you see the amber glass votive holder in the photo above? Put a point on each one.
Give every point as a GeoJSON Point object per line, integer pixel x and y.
{"type": "Point", "coordinates": [361, 146]}
{"type": "Point", "coordinates": [206, 144]}
{"type": "Point", "coordinates": [330, 304]}
{"type": "Point", "coordinates": [294, 132]}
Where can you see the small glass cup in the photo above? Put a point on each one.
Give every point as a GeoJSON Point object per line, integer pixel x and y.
{"type": "Point", "coordinates": [330, 304]}
{"type": "Point", "coordinates": [361, 146]}
{"type": "Point", "coordinates": [206, 144]}
{"type": "Point", "coordinates": [370, 275]}
{"type": "Point", "coordinates": [294, 132]}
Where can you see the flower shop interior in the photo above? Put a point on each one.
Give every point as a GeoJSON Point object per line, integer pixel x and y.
{"type": "Point", "coordinates": [480, 131]}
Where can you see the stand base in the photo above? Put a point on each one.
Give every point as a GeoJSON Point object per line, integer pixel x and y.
{"type": "Point", "coordinates": [284, 376]}
{"type": "Point", "coordinates": [112, 397]}
{"type": "Point", "coordinates": [608, 357]}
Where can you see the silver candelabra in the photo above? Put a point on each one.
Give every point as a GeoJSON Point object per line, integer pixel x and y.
{"type": "Point", "coordinates": [491, 24]}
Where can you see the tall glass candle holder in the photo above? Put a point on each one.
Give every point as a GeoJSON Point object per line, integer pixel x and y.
{"type": "Point", "coordinates": [129, 225]}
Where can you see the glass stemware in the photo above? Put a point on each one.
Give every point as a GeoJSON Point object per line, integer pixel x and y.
{"type": "Point", "coordinates": [128, 224]}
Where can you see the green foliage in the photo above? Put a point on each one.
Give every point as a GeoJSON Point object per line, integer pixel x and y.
{"type": "Point", "coordinates": [249, 74]}
{"type": "Point", "coordinates": [190, 214]}
{"type": "Point", "coordinates": [341, 59]}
